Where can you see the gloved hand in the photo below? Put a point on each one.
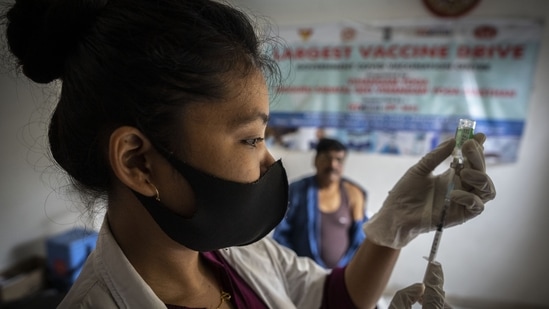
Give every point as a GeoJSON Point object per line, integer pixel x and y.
{"type": "Point", "coordinates": [405, 298]}
{"type": "Point", "coordinates": [415, 203]}
{"type": "Point", "coordinates": [434, 291]}
{"type": "Point", "coordinates": [430, 293]}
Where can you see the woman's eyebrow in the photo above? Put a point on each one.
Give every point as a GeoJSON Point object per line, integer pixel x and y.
{"type": "Point", "coordinates": [246, 118]}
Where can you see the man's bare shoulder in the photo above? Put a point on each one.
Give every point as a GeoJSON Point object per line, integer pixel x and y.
{"type": "Point", "coordinates": [353, 189]}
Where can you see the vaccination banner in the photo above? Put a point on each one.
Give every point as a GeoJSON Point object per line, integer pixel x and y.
{"type": "Point", "coordinates": [401, 87]}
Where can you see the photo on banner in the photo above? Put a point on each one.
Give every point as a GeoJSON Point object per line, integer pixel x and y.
{"type": "Point", "coordinates": [400, 87]}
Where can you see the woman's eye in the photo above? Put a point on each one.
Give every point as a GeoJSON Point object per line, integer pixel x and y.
{"type": "Point", "coordinates": [253, 141]}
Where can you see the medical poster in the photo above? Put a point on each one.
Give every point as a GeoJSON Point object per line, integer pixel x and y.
{"type": "Point", "coordinates": [400, 87]}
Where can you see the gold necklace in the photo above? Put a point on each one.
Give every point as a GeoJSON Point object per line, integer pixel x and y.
{"type": "Point", "coordinates": [223, 297]}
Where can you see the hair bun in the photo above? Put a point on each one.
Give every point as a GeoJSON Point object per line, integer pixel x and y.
{"type": "Point", "coordinates": [42, 34]}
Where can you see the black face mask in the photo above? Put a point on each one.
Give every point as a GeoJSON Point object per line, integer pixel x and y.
{"type": "Point", "coordinates": [227, 213]}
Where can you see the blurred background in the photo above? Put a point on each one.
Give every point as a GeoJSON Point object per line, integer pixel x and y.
{"type": "Point", "coordinates": [498, 260]}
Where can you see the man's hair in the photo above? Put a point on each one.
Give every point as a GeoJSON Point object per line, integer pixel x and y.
{"type": "Point", "coordinates": [329, 144]}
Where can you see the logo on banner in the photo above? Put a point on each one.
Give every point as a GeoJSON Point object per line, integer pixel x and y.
{"type": "Point", "coordinates": [305, 33]}
{"type": "Point", "coordinates": [485, 32]}
{"type": "Point", "coordinates": [348, 34]}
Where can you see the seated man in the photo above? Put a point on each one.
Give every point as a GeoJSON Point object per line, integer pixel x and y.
{"type": "Point", "coordinates": [326, 211]}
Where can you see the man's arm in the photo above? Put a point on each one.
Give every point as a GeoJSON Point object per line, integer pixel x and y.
{"type": "Point", "coordinates": [357, 200]}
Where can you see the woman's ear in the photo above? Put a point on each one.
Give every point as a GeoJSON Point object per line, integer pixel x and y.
{"type": "Point", "coordinates": [130, 156]}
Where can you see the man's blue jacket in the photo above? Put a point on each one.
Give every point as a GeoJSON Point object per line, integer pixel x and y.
{"type": "Point", "coordinates": [300, 228]}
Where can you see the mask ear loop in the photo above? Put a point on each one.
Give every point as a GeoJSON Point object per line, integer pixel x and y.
{"type": "Point", "coordinates": [157, 195]}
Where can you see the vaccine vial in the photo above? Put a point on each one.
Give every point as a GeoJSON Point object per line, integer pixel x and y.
{"type": "Point", "coordinates": [464, 131]}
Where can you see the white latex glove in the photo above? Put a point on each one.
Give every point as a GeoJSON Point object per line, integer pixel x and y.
{"type": "Point", "coordinates": [415, 203]}
{"type": "Point", "coordinates": [430, 293]}
{"type": "Point", "coordinates": [433, 298]}
{"type": "Point", "coordinates": [405, 298]}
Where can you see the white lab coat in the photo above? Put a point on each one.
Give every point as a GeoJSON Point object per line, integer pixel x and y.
{"type": "Point", "coordinates": [275, 273]}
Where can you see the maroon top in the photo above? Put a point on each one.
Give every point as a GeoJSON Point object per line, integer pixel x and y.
{"type": "Point", "coordinates": [242, 296]}
{"type": "Point", "coordinates": [334, 231]}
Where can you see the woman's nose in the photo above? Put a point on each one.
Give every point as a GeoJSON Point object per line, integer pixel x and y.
{"type": "Point", "coordinates": [266, 161]}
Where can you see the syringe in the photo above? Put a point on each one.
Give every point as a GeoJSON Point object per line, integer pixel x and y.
{"type": "Point", "coordinates": [465, 130]}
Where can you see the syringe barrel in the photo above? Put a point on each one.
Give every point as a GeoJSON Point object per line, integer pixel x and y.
{"type": "Point", "coordinates": [464, 131]}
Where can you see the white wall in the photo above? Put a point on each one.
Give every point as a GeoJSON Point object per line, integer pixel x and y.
{"type": "Point", "coordinates": [33, 196]}
{"type": "Point", "coordinates": [500, 256]}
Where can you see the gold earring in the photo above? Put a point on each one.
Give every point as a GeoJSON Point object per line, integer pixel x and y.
{"type": "Point", "coordinates": [157, 195]}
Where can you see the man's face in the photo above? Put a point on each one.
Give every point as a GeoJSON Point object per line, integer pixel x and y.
{"type": "Point", "coordinates": [329, 165]}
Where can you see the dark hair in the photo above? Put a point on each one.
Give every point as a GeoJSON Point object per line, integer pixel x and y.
{"type": "Point", "coordinates": [128, 62]}
{"type": "Point", "coordinates": [329, 144]}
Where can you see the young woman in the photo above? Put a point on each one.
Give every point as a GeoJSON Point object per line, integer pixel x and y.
{"type": "Point", "coordinates": [162, 112]}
